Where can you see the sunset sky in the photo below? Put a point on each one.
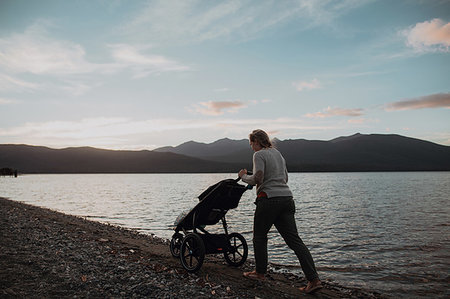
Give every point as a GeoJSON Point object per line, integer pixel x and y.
{"type": "Point", "coordinates": [145, 74]}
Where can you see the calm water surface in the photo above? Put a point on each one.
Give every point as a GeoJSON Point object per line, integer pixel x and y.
{"type": "Point", "coordinates": [388, 232]}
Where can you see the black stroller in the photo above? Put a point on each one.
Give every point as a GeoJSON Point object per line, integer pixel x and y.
{"type": "Point", "coordinates": [194, 242]}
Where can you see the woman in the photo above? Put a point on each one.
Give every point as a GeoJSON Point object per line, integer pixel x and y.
{"type": "Point", "coordinates": [274, 205]}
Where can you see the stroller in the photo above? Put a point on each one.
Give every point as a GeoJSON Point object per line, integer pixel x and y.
{"type": "Point", "coordinates": [191, 241]}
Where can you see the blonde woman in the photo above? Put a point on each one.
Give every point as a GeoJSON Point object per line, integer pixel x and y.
{"type": "Point", "coordinates": [274, 206]}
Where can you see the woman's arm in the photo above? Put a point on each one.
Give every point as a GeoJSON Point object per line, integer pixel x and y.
{"type": "Point", "coordinates": [258, 172]}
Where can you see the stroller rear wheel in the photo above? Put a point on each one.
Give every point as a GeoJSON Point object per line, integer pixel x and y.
{"type": "Point", "coordinates": [175, 244]}
{"type": "Point", "coordinates": [192, 252]}
{"type": "Point", "coordinates": [237, 252]}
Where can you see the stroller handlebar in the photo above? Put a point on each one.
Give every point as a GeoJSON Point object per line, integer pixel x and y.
{"type": "Point", "coordinates": [249, 187]}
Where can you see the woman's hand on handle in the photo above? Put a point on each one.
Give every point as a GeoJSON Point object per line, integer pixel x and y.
{"type": "Point", "coordinates": [242, 172]}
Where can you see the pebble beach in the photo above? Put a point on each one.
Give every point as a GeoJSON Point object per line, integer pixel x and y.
{"type": "Point", "coordinates": [44, 253]}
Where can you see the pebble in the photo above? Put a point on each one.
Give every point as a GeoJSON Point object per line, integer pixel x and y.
{"type": "Point", "coordinates": [53, 259]}
{"type": "Point", "coordinates": [72, 267]}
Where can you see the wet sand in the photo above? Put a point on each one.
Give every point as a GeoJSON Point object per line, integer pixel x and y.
{"type": "Point", "coordinates": [44, 253]}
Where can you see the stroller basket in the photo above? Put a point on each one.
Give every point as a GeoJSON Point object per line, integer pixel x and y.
{"type": "Point", "coordinates": [215, 243]}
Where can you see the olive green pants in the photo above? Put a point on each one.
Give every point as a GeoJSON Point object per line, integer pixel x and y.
{"type": "Point", "coordinates": [279, 211]}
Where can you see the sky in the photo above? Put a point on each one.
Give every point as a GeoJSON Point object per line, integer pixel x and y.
{"type": "Point", "coordinates": [138, 75]}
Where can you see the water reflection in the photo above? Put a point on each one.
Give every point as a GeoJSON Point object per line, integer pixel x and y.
{"type": "Point", "coordinates": [384, 231]}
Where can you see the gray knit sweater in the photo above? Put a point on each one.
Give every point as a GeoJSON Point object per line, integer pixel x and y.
{"type": "Point", "coordinates": [274, 173]}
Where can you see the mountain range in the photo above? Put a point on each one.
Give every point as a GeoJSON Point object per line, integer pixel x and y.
{"type": "Point", "coordinates": [359, 152]}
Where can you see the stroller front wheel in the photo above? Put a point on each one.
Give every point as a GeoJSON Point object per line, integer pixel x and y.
{"type": "Point", "coordinates": [192, 252]}
{"type": "Point", "coordinates": [237, 253]}
{"type": "Point", "coordinates": [175, 244]}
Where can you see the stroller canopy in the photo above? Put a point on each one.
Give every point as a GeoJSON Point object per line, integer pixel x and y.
{"type": "Point", "coordinates": [214, 204]}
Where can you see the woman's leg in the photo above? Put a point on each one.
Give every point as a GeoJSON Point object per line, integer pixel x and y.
{"type": "Point", "coordinates": [286, 226]}
{"type": "Point", "coordinates": [265, 214]}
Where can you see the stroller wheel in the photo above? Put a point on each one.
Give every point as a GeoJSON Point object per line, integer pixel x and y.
{"type": "Point", "coordinates": [192, 252]}
{"type": "Point", "coordinates": [175, 244]}
{"type": "Point", "coordinates": [237, 252]}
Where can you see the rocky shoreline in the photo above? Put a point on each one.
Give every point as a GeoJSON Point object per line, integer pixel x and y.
{"type": "Point", "coordinates": [44, 253]}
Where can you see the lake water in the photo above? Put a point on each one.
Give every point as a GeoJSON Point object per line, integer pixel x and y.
{"type": "Point", "coordinates": [388, 232]}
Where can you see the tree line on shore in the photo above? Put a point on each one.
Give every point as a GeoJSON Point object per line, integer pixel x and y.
{"type": "Point", "coordinates": [6, 171]}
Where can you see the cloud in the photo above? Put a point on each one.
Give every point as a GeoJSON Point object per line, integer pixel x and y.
{"type": "Point", "coordinates": [438, 100]}
{"type": "Point", "coordinates": [330, 112]}
{"type": "Point", "coordinates": [35, 52]}
{"type": "Point", "coordinates": [429, 36]}
{"type": "Point", "coordinates": [196, 21]}
{"type": "Point", "coordinates": [305, 85]}
{"type": "Point", "coordinates": [125, 133]}
{"type": "Point", "coordinates": [175, 20]}
{"type": "Point", "coordinates": [132, 56]}
{"type": "Point", "coordinates": [357, 121]}
{"type": "Point", "coordinates": [217, 108]}
{"type": "Point", "coordinates": [11, 83]}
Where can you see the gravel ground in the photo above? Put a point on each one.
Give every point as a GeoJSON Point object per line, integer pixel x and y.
{"type": "Point", "coordinates": [44, 253]}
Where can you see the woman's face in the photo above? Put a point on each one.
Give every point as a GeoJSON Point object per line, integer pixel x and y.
{"type": "Point", "coordinates": [255, 145]}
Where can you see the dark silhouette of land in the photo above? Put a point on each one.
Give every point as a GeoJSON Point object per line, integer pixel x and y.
{"type": "Point", "coordinates": [353, 153]}
{"type": "Point", "coordinates": [358, 152]}
{"type": "Point", "coordinates": [39, 159]}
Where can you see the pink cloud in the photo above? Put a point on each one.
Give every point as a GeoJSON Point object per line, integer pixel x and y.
{"type": "Point", "coordinates": [329, 112]}
{"type": "Point", "coordinates": [438, 100]}
{"type": "Point", "coordinates": [217, 108]}
{"type": "Point", "coordinates": [429, 36]}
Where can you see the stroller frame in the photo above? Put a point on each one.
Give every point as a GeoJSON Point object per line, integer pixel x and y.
{"type": "Point", "coordinates": [191, 241]}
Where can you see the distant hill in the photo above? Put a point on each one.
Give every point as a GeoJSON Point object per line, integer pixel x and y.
{"type": "Point", "coordinates": [358, 152]}
{"type": "Point", "coordinates": [352, 153]}
{"type": "Point", "coordinates": [38, 159]}
{"type": "Point", "coordinates": [366, 153]}
{"type": "Point", "coordinates": [213, 150]}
